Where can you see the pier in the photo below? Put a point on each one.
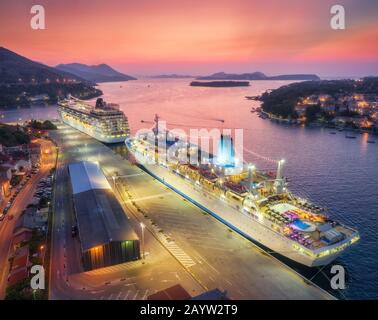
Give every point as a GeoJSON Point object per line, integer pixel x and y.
{"type": "Point", "coordinates": [207, 252]}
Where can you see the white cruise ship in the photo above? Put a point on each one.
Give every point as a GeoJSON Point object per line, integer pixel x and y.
{"type": "Point", "coordinates": [104, 122]}
{"type": "Point", "coordinates": [256, 204]}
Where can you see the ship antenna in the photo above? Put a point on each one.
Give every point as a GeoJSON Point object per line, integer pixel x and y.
{"type": "Point", "coordinates": [156, 120]}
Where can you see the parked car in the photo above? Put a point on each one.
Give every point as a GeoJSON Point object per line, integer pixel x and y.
{"type": "Point", "coordinates": [74, 231]}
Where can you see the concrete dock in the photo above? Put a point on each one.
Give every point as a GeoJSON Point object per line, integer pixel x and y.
{"type": "Point", "coordinates": [213, 255]}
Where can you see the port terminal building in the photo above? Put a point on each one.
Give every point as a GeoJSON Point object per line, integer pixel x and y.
{"type": "Point", "coordinates": [105, 234]}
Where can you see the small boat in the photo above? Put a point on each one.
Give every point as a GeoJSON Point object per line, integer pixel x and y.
{"type": "Point", "coordinates": [332, 132]}
{"type": "Point", "coordinates": [370, 141]}
{"type": "Point", "coordinates": [252, 97]}
{"type": "Point", "coordinates": [350, 137]}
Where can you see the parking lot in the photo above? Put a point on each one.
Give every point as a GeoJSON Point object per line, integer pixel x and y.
{"type": "Point", "coordinates": [43, 191]}
{"type": "Point", "coordinates": [15, 190]}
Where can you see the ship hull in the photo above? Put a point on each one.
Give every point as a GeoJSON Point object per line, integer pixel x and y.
{"type": "Point", "coordinates": [92, 133]}
{"type": "Point", "coordinates": [232, 217]}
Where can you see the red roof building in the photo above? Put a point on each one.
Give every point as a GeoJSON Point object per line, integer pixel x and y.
{"type": "Point", "coordinates": [18, 275]}
{"type": "Point", "coordinates": [23, 236]}
{"type": "Point", "coordinates": [21, 258]}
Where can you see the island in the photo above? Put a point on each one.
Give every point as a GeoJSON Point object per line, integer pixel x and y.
{"type": "Point", "coordinates": [257, 76]}
{"type": "Point", "coordinates": [172, 76]}
{"type": "Point", "coordinates": [219, 84]}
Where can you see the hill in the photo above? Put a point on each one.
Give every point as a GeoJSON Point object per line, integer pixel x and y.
{"type": "Point", "coordinates": [16, 69]}
{"type": "Point", "coordinates": [96, 73]}
{"type": "Point", "coordinates": [23, 80]}
{"type": "Point", "coordinates": [219, 84]}
{"type": "Point", "coordinates": [172, 76]}
{"type": "Point", "coordinates": [282, 101]}
{"type": "Point", "coordinates": [258, 76]}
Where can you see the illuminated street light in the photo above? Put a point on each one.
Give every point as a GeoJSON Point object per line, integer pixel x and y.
{"type": "Point", "coordinates": [41, 248]}
{"type": "Point", "coordinates": [142, 226]}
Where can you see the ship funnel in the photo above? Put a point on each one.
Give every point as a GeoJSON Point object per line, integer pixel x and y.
{"type": "Point", "coordinates": [226, 152]}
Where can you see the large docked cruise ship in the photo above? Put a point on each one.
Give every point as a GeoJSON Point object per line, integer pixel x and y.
{"type": "Point", "coordinates": [254, 203]}
{"type": "Point", "coordinates": [104, 122]}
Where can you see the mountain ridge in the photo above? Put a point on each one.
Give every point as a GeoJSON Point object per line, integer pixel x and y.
{"type": "Point", "coordinates": [22, 79]}
{"type": "Point", "coordinates": [97, 73]}
{"type": "Point", "coordinates": [15, 68]}
{"type": "Point", "coordinates": [257, 76]}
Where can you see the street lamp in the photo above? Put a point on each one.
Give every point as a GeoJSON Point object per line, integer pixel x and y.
{"type": "Point", "coordinates": [142, 226]}
{"type": "Point", "coordinates": [43, 257]}
{"type": "Point", "coordinates": [86, 152]}
{"type": "Point", "coordinates": [114, 185]}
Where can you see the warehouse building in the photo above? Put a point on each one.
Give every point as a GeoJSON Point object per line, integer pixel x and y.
{"type": "Point", "coordinates": [105, 233]}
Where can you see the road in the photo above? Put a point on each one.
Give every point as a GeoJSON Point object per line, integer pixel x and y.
{"type": "Point", "coordinates": [197, 244]}
{"type": "Point", "coordinates": [21, 201]}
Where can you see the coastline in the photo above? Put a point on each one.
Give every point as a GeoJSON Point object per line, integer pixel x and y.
{"type": "Point", "coordinates": [316, 124]}
{"type": "Point", "coordinates": [36, 112]}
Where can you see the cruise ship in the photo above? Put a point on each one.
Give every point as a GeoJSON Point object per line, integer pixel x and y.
{"type": "Point", "coordinates": [256, 204]}
{"type": "Point", "coordinates": [104, 122]}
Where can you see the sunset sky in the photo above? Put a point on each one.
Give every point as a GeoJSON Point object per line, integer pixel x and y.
{"type": "Point", "coordinates": [144, 37]}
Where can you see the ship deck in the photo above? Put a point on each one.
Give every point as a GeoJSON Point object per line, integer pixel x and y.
{"type": "Point", "coordinates": [297, 219]}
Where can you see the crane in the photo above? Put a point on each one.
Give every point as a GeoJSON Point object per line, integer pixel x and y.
{"type": "Point", "coordinates": [156, 130]}
{"type": "Point", "coordinates": [157, 118]}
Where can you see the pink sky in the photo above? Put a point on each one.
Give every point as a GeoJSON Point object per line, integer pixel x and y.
{"type": "Point", "coordinates": [198, 36]}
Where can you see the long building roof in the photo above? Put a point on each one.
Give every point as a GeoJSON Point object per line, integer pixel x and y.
{"type": "Point", "coordinates": [87, 176]}
{"type": "Point", "coordinates": [100, 217]}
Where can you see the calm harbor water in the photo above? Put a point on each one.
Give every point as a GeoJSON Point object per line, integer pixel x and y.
{"type": "Point", "coordinates": [338, 173]}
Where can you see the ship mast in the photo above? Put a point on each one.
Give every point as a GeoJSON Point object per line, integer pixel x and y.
{"type": "Point", "coordinates": [251, 173]}
{"type": "Point", "coordinates": [279, 183]}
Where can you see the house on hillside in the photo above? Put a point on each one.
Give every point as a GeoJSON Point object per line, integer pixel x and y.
{"type": "Point", "coordinates": [6, 171]}
{"type": "Point", "coordinates": [35, 151]}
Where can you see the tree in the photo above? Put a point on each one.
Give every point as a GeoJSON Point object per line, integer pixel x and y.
{"type": "Point", "coordinates": [99, 103]}
{"type": "Point", "coordinates": [311, 113]}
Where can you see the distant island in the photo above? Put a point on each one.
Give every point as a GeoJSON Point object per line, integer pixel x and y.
{"type": "Point", "coordinates": [351, 102]}
{"type": "Point", "coordinates": [24, 82]}
{"type": "Point", "coordinates": [95, 73]}
{"type": "Point", "coordinates": [218, 84]}
{"type": "Point", "coordinates": [258, 76]}
{"type": "Point", "coordinates": [172, 76]}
